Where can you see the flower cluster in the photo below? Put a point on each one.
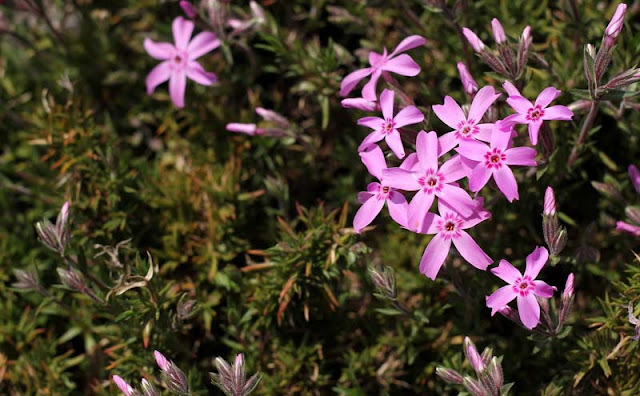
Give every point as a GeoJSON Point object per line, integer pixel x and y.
{"type": "Point", "coordinates": [476, 147]}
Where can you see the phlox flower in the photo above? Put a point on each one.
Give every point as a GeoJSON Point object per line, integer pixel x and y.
{"type": "Point", "coordinates": [524, 288]}
{"type": "Point", "coordinates": [394, 62]}
{"type": "Point", "coordinates": [378, 193]}
{"type": "Point", "coordinates": [430, 180]}
{"type": "Point", "coordinates": [450, 227]}
{"type": "Point", "coordinates": [387, 128]}
{"type": "Point", "coordinates": [494, 160]}
{"type": "Point", "coordinates": [179, 60]}
{"type": "Point", "coordinates": [466, 127]}
{"type": "Point", "coordinates": [534, 114]}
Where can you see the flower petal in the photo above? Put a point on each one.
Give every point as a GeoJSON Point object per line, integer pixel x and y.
{"type": "Point", "coordinates": [400, 178]}
{"type": "Point", "coordinates": [481, 102]}
{"type": "Point", "coordinates": [418, 209]}
{"type": "Point", "coordinates": [372, 122]}
{"type": "Point", "coordinates": [450, 112]}
{"type": "Point", "coordinates": [434, 256]}
{"type": "Point", "coordinates": [352, 79]}
{"type": "Point", "coordinates": [500, 139]}
{"type": "Point", "coordinates": [369, 89]}
{"type": "Point", "coordinates": [479, 177]}
{"type": "Point", "coordinates": [500, 298]}
{"type": "Point", "coordinates": [408, 116]}
{"type": "Point", "coordinates": [363, 196]}
{"type": "Point", "coordinates": [447, 142]}
{"type": "Point", "coordinates": [403, 65]}
{"type": "Point", "coordinates": [386, 103]}
{"type": "Point", "coordinates": [427, 150]}
{"type": "Point", "coordinates": [529, 310]}
{"type": "Point", "coordinates": [452, 170]}
{"type": "Point", "coordinates": [472, 149]}
{"type": "Point", "coordinates": [458, 199]}
{"type": "Point", "coordinates": [201, 44]}
{"type": "Point", "coordinates": [523, 156]}
{"type": "Point", "coordinates": [197, 73]}
{"type": "Point", "coordinates": [182, 29]}
{"type": "Point", "coordinates": [160, 51]}
{"type": "Point", "coordinates": [430, 224]}
{"type": "Point", "coordinates": [410, 163]}
{"type": "Point", "coordinates": [535, 261]}
{"type": "Point", "coordinates": [470, 251]}
{"type": "Point", "coordinates": [558, 112]}
{"type": "Point", "coordinates": [519, 104]}
{"type": "Point", "coordinates": [534, 128]}
{"type": "Point", "coordinates": [157, 76]}
{"type": "Point", "coordinates": [408, 43]}
{"type": "Point", "coordinates": [398, 207]}
{"type": "Point", "coordinates": [547, 96]}
{"type": "Point", "coordinates": [506, 182]}
{"type": "Point", "coordinates": [371, 138]}
{"type": "Point", "coordinates": [373, 158]}
{"type": "Point", "coordinates": [367, 212]}
{"type": "Point", "coordinates": [543, 289]}
{"type": "Point", "coordinates": [506, 272]}
{"type": "Point", "coordinates": [177, 86]}
{"type": "Point", "coordinates": [395, 143]}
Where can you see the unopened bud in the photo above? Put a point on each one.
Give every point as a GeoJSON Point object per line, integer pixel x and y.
{"type": "Point", "coordinates": [559, 242]}
{"type": "Point", "coordinates": [470, 85]}
{"type": "Point", "coordinates": [603, 58]}
{"type": "Point", "coordinates": [633, 213]}
{"type": "Point", "coordinates": [385, 281]}
{"type": "Point", "coordinates": [623, 79]}
{"type": "Point", "coordinates": [257, 12]}
{"type": "Point", "coordinates": [188, 9]}
{"type": "Point", "coordinates": [247, 129]}
{"type": "Point", "coordinates": [498, 31]}
{"type": "Point", "coordinates": [124, 387]}
{"type": "Point", "coordinates": [231, 379]}
{"type": "Point", "coordinates": [486, 355]}
{"type": "Point", "coordinates": [360, 104]}
{"type": "Point", "coordinates": [184, 309]}
{"type": "Point", "coordinates": [607, 189]}
{"type": "Point", "coordinates": [617, 21]}
{"type": "Point", "coordinates": [523, 50]}
{"type": "Point", "coordinates": [496, 373]}
{"type": "Point", "coordinates": [634, 175]}
{"type": "Point", "coordinates": [473, 356]}
{"type": "Point", "coordinates": [549, 202]}
{"type": "Point", "coordinates": [628, 228]}
{"type": "Point", "coordinates": [449, 375]}
{"type": "Point", "coordinates": [270, 115]}
{"type": "Point", "coordinates": [474, 41]}
{"type": "Point", "coordinates": [55, 237]}
{"type": "Point", "coordinates": [148, 389]}
{"type": "Point", "coordinates": [475, 387]}
{"type": "Point", "coordinates": [568, 287]}
{"type": "Point", "coordinates": [493, 62]}
{"type": "Point", "coordinates": [74, 280]}
{"type": "Point", "coordinates": [27, 280]}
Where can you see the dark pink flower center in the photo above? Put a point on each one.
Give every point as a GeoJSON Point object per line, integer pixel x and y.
{"type": "Point", "coordinates": [467, 129]}
{"type": "Point", "coordinates": [535, 113]}
{"type": "Point", "coordinates": [179, 60]}
{"type": "Point", "coordinates": [450, 225]}
{"type": "Point", "coordinates": [494, 158]}
{"type": "Point", "coordinates": [432, 181]}
{"type": "Point", "coordinates": [523, 286]}
{"type": "Point", "coordinates": [384, 192]}
{"type": "Point", "coordinates": [388, 126]}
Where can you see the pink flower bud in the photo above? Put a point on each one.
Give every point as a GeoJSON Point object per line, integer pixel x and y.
{"type": "Point", "coordinates": [248, 129]}
{"type": "Point", "coordinates": [126, 389]}
{"type": "Point", "coordinates": [473, 356]}
{"type": "Point", "coordinates": [617, 21]}
{"type": "Point", "coordinates": [526, 36]}
{"type": "Point", "coordinates": [188, 9]}
{"type": "Point", "coordinates": [474, 41]}
{"type": "Point", "coordinates": [359, 103]}
{"type": "Point", "coordinates": [270, 115]}
{"type": "Point", "coordinates": [634, 175]}
{"type": "Point", "coordinates": [498, 31]}
{"type": "Point", "coordinates": [470, 85]}
{"type": "Point", "coordinates": [549, 202]}
{"type": "Point", "coordinates": [568, 288]}
{"type": "Point", "coordinates": [162, 361]}
{"type": "Point", "coordinates": [628, 228]}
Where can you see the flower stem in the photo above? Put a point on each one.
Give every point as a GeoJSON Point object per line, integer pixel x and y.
{"type": "Point", "coordinates": [593, 111]}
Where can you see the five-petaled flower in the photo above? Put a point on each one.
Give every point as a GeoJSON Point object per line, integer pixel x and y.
{"type": "Point", "coordinates": [387, 128]}
{"type": "Point", "coordinates": [378, 193]}
{"type": "Point", "coordinates": [179, 60]}
{"type": "Point", "coordinates": [534, 114]}
{"type": "Point", "coordinates": [495, 160]}
{"type": "Point", "coordinates": [394, 62]}
{"type": "Point", "coordinates": [465, 127]}
{"type": "Point", "coordinates": [523, 288]}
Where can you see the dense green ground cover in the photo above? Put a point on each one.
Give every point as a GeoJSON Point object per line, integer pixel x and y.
{"type": "Point", "coordinates": [256, 232]}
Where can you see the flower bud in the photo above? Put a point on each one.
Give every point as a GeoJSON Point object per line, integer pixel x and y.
{"type": "Point", "coordinates": [449, 375]}
{"type": "Point", "coordinates": [184, 309]}
{"type": "Point", "coordinates": [633, 212]}
{"type": "Point", "coordinates": [496, 373]}
{"type": "Point", "coordinates": [270, 115]}
{"type": "Point", "coordinates": [27, 280]}
{"type": "Point", "coordinates": [628, 228]}
{"type": "Point", "coordinates": [257, 12]}
{"type": "Point", "coordinates": [55, 237]}
{"type": "Point", "coordinates": [498, 31]}
{"type": "Point", "coordinates": [360, 104]}
{"type": "Point", "coordinates": [124, 387]}
{"type": "Point", "coordinates": [549, 202]}
{"type": "Point", "coordinates": [188, 9]}
{"type": "Point", "coordinates": [606, 189]}
{"type": "Point", "coordinates": [493, 62]}
{"type": "Point", "coordinates": [162, 361]}
{"type": "Point", "coordinates": [470, 85]}
{"type": "Point", "coordinates": [523, 50]}
{"type": "Point", "coordinates": [231, 379]}
{"type": "Point", "coordinates": [475, 387]}
{"type": "Point", "coordinates": [473, 356]}
{"type": "Point", "coordinates": [248, 129]}
{"type": "Point", "coordinates": [474, 41]}
{"type": "Point", "coordinates": [617, 21]}
{"type": "Point", "coordinates": [384, 280]}
{"type": "Point", "coordinates": [568, 287]}
{"type": "Point", "coordinates": [148, 389]}
{"type": "Point", "coordinates": [74, 280]}
{"type": "Point", "coordinates": [634, 175]}
{"type": "Point", "coordinates": [559, 242]}
{"type": "Point", "coordinates": [623, 79]}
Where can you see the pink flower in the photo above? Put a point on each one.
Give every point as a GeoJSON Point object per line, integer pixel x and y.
{"type": "Point", "coordinates": [498, 31]}
{"type": "Point", "coordinates": [628, 228]}
{"type": "Point", "coordinates": [189, 10]}
{"type": "Point", "coordinates": [393, 62]}
{"type": "Point", "coordinates": [524, 288]}
{"type": "Point", "coordinates": [617, 21]}
{"type": "Point", "coordinates": [474, 41]}
{"type": "Point", "coordinates": [470, 85]}
{"type": "Point", "coordinates": [387, 128]}
{"type": "Point", "coordinates": [634, 175]}
{"type": "Point", "coordinates": [534, 114]}
{"type": "Point", "coordinates": [162, 361]}
{"type": "Point", "coordinates": [466, 126]}
{"type": "Point", "coordinates": [124, 387]}
{"type": "Point", "coordinates": [431, 181]}
{"type": "Point", "coordinates": [549, 208]}
{"type": "Point", "coordinates": [495, 160]}
{"type": "Point", "coordinates": [378, 193]}
{"type": "Point", "coordinates": [449, 227]}
{"type": "Point", "coordinates": [179, 60]}
{"type": "Point", "coordinates": [247, 129]}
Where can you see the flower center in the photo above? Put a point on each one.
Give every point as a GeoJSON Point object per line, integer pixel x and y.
{"type": "Point", "coordinates": [523, 286]}
{"type": "Point", "coordinates": [494, 158]}
{"type": "Point", "coordinates": [387, 128]}
{"type": "Point", "coordinates": [432, 181]}
{"type": "Point", "coordinates": [177, 59]}
{"type": "Point", "coordinates": [467, 129]}
{"type": "Point", "coordinates": [385, 189]}
{"type": "Point", "coordinates": [535, 113]}
{"type": "Point", "coordinates": [449, 226]}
